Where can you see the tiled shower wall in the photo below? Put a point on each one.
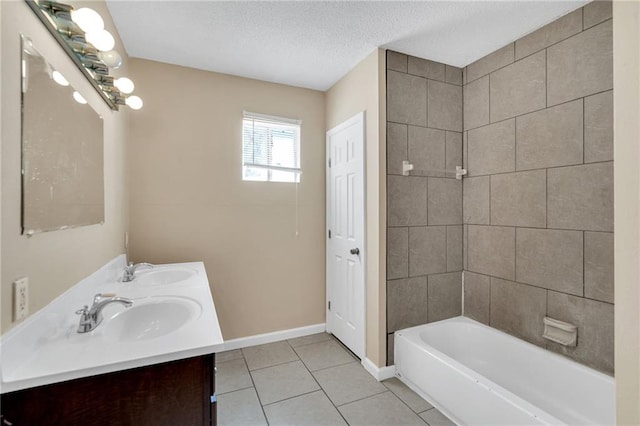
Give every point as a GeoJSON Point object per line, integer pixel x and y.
{"type": "Point", "coordinates": [538, 200]}
{"type": "Point", "coordinates": [424, 220]}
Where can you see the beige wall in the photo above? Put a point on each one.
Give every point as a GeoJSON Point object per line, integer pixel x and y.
{"type": "Point", "coordinates": [54, 261]}
{"type": "Point", "coordinates": [189, 203]}
{"type": "Point", "coordinates": [363, 89]}
{"type": "Point", "coordinates": [626, 68]}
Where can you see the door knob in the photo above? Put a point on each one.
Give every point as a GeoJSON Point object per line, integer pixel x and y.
{"type": "Point", "coordinates": [355, 251]}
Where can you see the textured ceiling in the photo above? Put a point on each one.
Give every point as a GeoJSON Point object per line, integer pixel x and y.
{"type": "Point", "coordinates": [314, 43]}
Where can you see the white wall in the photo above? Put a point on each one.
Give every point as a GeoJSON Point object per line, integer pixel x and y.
{"type": "Point", "coordinates": [626, 69]}
{"type": "Point", "coordinates": [364, 89]}
{"type": "Point", "coordinates": [54, 261]}
{"type": "Point", "coordinates": [189, 202]}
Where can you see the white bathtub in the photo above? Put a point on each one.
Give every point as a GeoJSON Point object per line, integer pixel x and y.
{"type": "Point", "coordinates": [478, 375]}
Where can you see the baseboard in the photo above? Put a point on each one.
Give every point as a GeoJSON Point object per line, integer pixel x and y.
{"type": "Point", "coordinates": [380, 374]}
{"type": "Point", "coordinates": [276, 336]}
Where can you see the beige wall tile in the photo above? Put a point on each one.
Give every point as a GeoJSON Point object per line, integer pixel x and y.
{"type": "Point", "coordinates": [598, 266]}
{"type": "Point", "coordinates": [444, 201]}
{"type": "Point", "coordinates": [581, 197]}
{"type": "Point", "coordinates": [518, 309]}
{"type": "Point", "coordinates": [518, 88]}
{"type": "Point", "coordinates": [396, 147]}
{"type": "Point", "coordinates": [491, 149]}
{"type": "Point", "coordinates": [425, 68]}
{"type": "Point", "coordinates": [426, 151]}
{"type": "Point", "coordinates": [476, 103]}
{"type": "Point", "coordinates": [476, 200]}
{"type": "Point", "coordinates": [551, 137]}
{"type": "Point", "coordinates": [396, 61]}
{"type": "Point", "coordinates": [552, 33]}
{"type": "Point", "coordinates": [476, 296]}
{"type": "Point", "coordinates": [550, 258]}
{"type": "Point", "coordinates": [519, 199]}
{"type": "Point", "coordinates": [454, 248]}
{"type": "Point", "coordinates": [445, 296]}
{"type": "Point", "coordinates": [465, 248]}
{"type": "Point", "coordinates": [397, 253]}
{"type": "Point", "coordinates": [453, 75]}
{"type": "Point", "coordinates": [596, 12]}
{"type": "Point", "coordinates": [598, 127]}
{"type": "Point", "coordinates": [444, 106]}
{"type": "Point", "coordinates": [427, 250]}
{"type": "Point", "coordinates": [453, 152]}
{"type": "Point", "coordinates": [406, 201]}
{"type": "Point", "coordinates": [406, 303]}
{"type": "Point", "coordinates": [581, 65]}
{"type": "Point", "coordinates": [491, 62]}
{"type": "Point", "coordinates": [595, 329]}
{"type": "Point", "coordinates": [406, 99]}
{"type": "Point", "coordinates": [491, 250]}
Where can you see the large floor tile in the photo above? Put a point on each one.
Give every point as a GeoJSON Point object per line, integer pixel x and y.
{"type": "Point", "coordinates": [409, 397]}
{"type": "Point", "coordinates": [283, 381]}
{"type": "Point", "coordinates": [268, 355]}
{"type": "Point", "coordinates": [232, 376]}
{"type": "Point", "coordinates": [321, 355]}
{"type": "Point", "coordinates": [312, 409]}
{"type": "Point", "coordinates": [307, 340]}
{"type": "Point", "coordinates": [228, 355]}
{"type": "Point", "coordinates": [240, 408]}
{"type": "Point", "coordinates": [348, 383]}
{"type": "Point", "coordinates": [384, 409]}
{"type": "Point", "coordinates": [436, 418]}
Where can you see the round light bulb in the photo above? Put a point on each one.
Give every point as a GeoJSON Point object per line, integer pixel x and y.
{"type": "Point", "coordinates": [112, 59]}
{"type": "Point", "coordinates": [101, 40]}
{"type": "Point", "coordinates": [87, 19]}
{"type": "Point", "coordinates": [59, 78]}
{"type": "Point", "coordinates": [79, 98]}
{"type": "Point", "coordinates": [133, 102]}
{"type": "Point", "coordinates": [124, 85]}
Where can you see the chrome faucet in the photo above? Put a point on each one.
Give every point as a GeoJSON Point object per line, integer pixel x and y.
{"type": "Point", "coordinates": [92, 317]}
{"type": "Point", "coordinates": [130, 271]}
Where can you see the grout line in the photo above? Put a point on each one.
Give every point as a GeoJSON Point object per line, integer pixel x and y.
{"type": "Point", "coordinates": [524, 113]}
{"type": "Point", "coordinates": [255, 389]}
{"type": "Point", "coordinates": [584, 285]}
{"type": "Point", "coordinates": [546, 78]}
{"type": "Point", "coordinates": [363, 398]}
{"type": "Point", "coordinates": [235, 390]}
{"type": "Point", "coordinates": [274, 365]}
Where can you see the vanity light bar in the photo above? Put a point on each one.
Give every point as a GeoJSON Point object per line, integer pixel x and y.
{"type": "Point", "coordinates": [93, 62]}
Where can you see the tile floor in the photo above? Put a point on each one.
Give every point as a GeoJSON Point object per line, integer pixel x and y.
{"type": "Point", "coordinates": [311, 380]}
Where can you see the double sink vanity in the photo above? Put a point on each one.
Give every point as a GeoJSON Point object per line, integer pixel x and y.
{"type": "Point", "coordinates": [123, 346]}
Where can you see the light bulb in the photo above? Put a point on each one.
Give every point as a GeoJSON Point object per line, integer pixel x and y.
{"type": "Point", "coordinates": [79, 98]}
{"type": "Point", "coordinates": [101, 40]}
{"type": "Point", "coordinates": [59, 78]}
{"type": "Point", "coordinates": [124, 85]}
{"type": "Point", "coordinates": [133, 102]}
{"type": "Point", "coordinates": [112, 59]}
{"type": "Point", "coordinates": [87, 19]}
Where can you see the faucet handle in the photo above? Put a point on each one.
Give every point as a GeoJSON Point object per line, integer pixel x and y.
{"type": "Point", "coordinates": [83, 311]}
{"type": "Point", "coordinates": [98, 297]}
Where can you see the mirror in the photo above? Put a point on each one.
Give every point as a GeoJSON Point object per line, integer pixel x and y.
{"type": "Point", "coordinates": [62, 150]}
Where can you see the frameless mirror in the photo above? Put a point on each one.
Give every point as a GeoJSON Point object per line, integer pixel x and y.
{"type": "Point", "coordinates": [62, 150]}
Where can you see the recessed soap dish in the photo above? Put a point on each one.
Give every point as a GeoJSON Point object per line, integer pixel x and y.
{"type": "Point", "coordinates": [560, 332]}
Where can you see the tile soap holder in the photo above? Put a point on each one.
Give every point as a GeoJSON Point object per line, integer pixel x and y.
{"type": "Point", "coordinates": [560, 332]}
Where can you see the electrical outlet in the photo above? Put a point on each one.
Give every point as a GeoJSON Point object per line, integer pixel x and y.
{"type": "Point", "coordinates": [20, 298]}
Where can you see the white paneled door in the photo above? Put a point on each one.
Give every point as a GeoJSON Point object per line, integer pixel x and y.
{"type": "Point", "coordinates": [345, 234]}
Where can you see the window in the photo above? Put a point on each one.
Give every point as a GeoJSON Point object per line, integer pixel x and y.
{"type": "Point", "coordinates": [270, 148]}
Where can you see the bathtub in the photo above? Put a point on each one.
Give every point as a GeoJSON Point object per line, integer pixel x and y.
{"type": "Point", "coordinates": [478, 375]}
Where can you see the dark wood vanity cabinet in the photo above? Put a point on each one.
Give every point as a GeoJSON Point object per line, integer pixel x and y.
{"type": "Point", "coordinates": [176, 393]}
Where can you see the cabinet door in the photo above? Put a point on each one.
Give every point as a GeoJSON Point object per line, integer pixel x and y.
{"type": "Point", "coordinates": [173, 393]}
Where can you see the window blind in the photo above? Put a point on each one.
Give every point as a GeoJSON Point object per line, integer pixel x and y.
{"type": "Point", "coordinates": [270, 148]}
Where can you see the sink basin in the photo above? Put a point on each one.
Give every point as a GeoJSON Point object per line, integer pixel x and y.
{"type": "Point", "coordinates": [163, 276]}
{"type": "Point", "coordinates": [152, 317]}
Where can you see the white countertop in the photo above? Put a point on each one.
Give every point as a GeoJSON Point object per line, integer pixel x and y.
{"type": "Point", "coordinates": [46, 347]}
